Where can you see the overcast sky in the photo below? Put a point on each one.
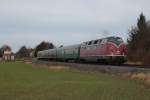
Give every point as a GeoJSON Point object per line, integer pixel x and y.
{"type": "Point", "coordinates": [66, 22]}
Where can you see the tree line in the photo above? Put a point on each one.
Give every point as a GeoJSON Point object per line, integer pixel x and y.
{"type": "Point", "coordinates": [25, 52]}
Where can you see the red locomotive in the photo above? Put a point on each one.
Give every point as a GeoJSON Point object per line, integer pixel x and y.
{"type": "Point", "coordinates": [110, 49]}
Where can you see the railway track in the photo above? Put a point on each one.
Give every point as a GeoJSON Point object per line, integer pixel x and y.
{"type": "Point", "coordinates": [97, 67]}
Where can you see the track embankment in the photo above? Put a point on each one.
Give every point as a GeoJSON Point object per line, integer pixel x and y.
{"type": "Point", "coordinates": [97, 67]}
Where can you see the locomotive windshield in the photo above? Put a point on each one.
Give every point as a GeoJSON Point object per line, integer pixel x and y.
{"type": "Point", "coordinates": [116, 40]}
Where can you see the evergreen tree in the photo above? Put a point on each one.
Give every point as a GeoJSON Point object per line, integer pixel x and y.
{"type": "Point", "coordinates": [139, 40]}
{"type": "Point", "coordinates": [142, 32]}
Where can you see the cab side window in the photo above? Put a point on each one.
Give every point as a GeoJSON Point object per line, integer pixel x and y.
{"type": "Point", "coordinates": [95, 42]}
{"type": "Point", "coordinates": [90, 43]}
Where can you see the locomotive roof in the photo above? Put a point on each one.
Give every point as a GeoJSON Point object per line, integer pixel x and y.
{"type": "Point", "coordinates": [110, 37]}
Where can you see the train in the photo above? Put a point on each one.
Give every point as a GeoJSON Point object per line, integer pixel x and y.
{"type": "Point", "coordinates": [109, 50]}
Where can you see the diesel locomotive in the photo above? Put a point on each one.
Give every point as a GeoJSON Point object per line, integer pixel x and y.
{"type": "Point", "coordinates": [110, 50]}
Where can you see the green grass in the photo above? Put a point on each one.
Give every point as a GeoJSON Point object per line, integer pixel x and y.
{"type": "Point", "coordinates": [19, 81]}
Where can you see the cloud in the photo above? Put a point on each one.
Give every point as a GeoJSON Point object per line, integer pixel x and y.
{"type": "Point", "coordinates": [27, 22]}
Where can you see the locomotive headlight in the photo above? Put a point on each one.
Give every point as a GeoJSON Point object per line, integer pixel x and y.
{"type": "Point", "coordinates": [118, 52]}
